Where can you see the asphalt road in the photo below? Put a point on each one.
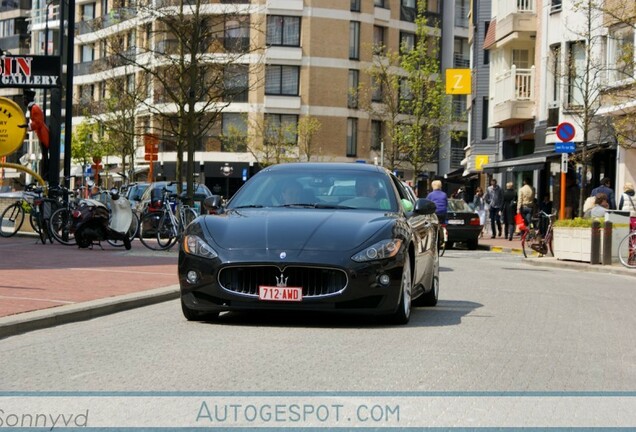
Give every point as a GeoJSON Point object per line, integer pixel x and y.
{"type": "Point", "coordinates": [500, 325]}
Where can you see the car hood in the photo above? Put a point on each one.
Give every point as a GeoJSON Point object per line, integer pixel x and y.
{"type": "Point", "coordinates": [295, 229]}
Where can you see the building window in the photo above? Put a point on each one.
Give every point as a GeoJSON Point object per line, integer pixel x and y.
{"type": "Point", "coordinates": [461, 57]}
{"type": "Point", "coordinates": [237, 35]}
{"type": "Point", "coordinates": [376, 135]}
{"type": "Point", "coordinates": [354, 82]}
{"type": "Point", "coordinates": [576, 71]}
{"type": "Point", "coordinates": [484, 119]}
{"type": "Point", "coordinates": [282, 80]}
{"type": "Point", "coordinates": [376, 90]}
{"type": "Point", "coordinates": [378, 3]}
{"type": "Point", "coordinates": [554, 74]}
{"type": "Point", "coordinates": [236, 83]}
{"type": "Point", "coordinates": [460, 112]}
{"type": "Point", "coordinates": [130, 83]}
{"type": "Point", "coordinates": [354, 40]}
{"type": "Point", "coordinates": [281, 127]}
{"type": "Point", "coordinates": [378, 40]}
{"type": "Point", "coordinates": [486, 52]}
{"type": "Point", "coordinates": [88, 12]}
{"type": "Point", "coordinates": [234, 127]}
{"type": "Point", "coordinates": [352, 137]}
{"type": "Point", "coordinates": [407, 42]}
{"type": "Point", "coordinates": [355, 6]}
{"type": "Point", "coordinates": [461, 13]}
{"type": "Point", "coordinates": [87, 53]}
{"type": "Point", "coordinates": [620, 54]}
{"type": "Point", "coordinates": [555, 6]}
{"type": "Point", "coordinates": [283, 30]}
{"type": "Point", "coordinates": [457, 151]}
{"type": "Point", "coordinates": [521, 58]}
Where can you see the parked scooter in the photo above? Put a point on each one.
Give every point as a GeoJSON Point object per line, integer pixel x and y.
{"type": "Point", "coordinates": [94, 223]}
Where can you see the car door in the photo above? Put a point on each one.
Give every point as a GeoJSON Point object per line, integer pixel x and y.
{"type": "Point", "coordinates": [424, 231]}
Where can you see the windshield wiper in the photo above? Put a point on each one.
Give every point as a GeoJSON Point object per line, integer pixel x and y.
{"type": "Point", "coordinates": [332, 206]}
{"type": "Point", "coordinates": [247, 206]}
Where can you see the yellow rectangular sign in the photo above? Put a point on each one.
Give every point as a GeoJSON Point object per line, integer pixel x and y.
{"type": "Point", "coordinates": [458, 81]}
{"type": "Point", "coordinates": [480, 161]}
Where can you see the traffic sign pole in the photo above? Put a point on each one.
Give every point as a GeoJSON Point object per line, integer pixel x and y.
{"type": "Point", "coordinates": [564, 170]}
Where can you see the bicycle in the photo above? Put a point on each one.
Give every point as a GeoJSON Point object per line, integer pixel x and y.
{"type": "Point", "coordinates": [36, 205]}
{"type": "Point", "coordinates": [627, 246]}
{"type": "Point", "coordinates": [62, 219]}
{"type": "Point", "coordinates": [168, 223]}
{"type": "Point", "coordinates": [538, 236]}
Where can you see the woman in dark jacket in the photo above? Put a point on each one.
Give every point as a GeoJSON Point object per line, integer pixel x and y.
{"type": "Point", "coordinates": [509, 210]}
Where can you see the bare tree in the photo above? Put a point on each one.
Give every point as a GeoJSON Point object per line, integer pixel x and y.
{"type": "Point", "coordinates": [408, 96]}
{"type": "Point", "coordinates": [197, 61]}
{"type": "Point", "coordinates": [584, 74]}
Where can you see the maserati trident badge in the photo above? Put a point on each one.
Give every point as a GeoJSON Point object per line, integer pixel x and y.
{"type": "Point", "coordinates": [281, 281]}
{"type": "Point", "coordinates": [283, 255]}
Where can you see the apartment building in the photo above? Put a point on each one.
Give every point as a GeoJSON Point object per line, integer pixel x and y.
{"type": "Point", "coordinates": [310, 55]}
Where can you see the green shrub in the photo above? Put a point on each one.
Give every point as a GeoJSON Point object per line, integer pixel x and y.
{"type": "Point", "coordinates": [574, 223]}
{"type": "Point", "coordinates": [583, 223]}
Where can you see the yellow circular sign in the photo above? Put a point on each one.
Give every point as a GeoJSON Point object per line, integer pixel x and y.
{"type": "Point", "coordinates": [12, 126]}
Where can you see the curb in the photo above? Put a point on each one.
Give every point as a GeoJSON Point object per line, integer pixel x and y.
{"type": "Point", "coordinates": [29, 321]}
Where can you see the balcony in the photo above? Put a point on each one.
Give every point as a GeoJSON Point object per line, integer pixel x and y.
{"type": "Point", "coordinates": [113, 17]}
{"type": "Point", "coordinates": [461, 61]}
{"type": "Point", "coordinates": [16, 42]}
{"type": "Point", "coordinates": [516, 16]}
{"type": "Point", "coordinates": [513, 99]}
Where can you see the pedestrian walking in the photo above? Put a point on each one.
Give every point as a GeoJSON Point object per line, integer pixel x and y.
{"type": "Point", "coordinates": [628, 201]}
{"type": "Point", "coordinates": [479, 205]}
{"type": "Point", "coordinates": [525, 201]}
{"type": "Point", "coordinates": [494, 198]}
{"type": "Point", "coordinates": [509, 210]}
{"type": "Point", "coordinates": [607, 190]}
{"type": "Point", "coordinates": [439, 197]}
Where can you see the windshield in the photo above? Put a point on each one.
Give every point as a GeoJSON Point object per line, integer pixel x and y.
{"type": "Point", "coordinates": [457, 205]}
{"type": "Point", "coordinates": [342, 189]}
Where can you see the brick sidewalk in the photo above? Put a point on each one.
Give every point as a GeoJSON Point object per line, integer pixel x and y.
{"type": "Point", "coordinates": [35, 276]}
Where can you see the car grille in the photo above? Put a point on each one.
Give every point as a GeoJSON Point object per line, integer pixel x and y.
{"type": "Point", "coordinates": [315, 281]}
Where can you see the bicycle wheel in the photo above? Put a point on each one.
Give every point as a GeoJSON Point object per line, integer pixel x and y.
{"type": "Point", "coordinates": [166, 232]}
{"type": "Point", "coordinates": [527, 240]}
{"type": "Point", "coordinates": [38, 223]}
{"type": "Point", "coordinates": [132, 232]}
{"type": "Point", "coordinates": [60, 226]}
{"type": "Point", "coordinates": [627, 251]}
{"type": "Point", "coordinates": [11, 220]}
{"type": "Point", "coordinates": [148, 230]}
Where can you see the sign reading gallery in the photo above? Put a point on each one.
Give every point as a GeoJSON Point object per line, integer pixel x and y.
{"type": "Point", "coordinates": [29, 71]}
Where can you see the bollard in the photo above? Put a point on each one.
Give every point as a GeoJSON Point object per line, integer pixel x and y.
{"type": "Point", "coordinates": [607, 243]}
{"type": "Point", "coordinates": [596, 243]}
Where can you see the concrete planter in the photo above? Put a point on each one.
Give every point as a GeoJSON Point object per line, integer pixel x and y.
{"type": "Point", "coordinates": [572, 243]}
{"type": "Point", "coordinates": [576, 243]}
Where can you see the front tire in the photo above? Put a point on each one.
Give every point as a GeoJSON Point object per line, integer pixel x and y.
{"type": "Point", "coordinates": [403, 312]}
{"type": "Point", "coordinates": [194, 315]}
{"type": "Point", "coordinates": [430, 298]}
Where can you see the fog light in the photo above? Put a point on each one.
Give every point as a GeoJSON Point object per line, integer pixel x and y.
{"type": "Point", "coordinates": [384, 279]}
{"type": "Point", "coordinates": [192, 277]}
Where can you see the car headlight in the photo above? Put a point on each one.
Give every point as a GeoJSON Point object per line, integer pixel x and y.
{"type": "Point", "coordinates": [194, 245]}
{"type": "Point", "coordinates": [381, 250]}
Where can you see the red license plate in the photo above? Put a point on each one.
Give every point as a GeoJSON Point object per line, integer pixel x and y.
{"type": "Point", "coordinates": [269, 293]}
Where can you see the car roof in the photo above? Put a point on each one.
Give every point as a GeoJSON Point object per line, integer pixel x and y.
{"type": "Point", "coordinates": [326, 166]}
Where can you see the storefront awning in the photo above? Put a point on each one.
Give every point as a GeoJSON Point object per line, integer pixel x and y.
{"type": "Point", "coordinates": [531, 162]}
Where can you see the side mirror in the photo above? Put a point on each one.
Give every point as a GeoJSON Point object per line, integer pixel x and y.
{"type": "Point", "coordinates": [424, 206]}
{"type": "Point", "coordinates": [213, 203]}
